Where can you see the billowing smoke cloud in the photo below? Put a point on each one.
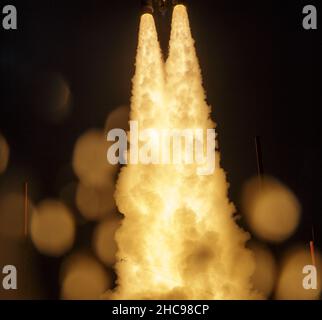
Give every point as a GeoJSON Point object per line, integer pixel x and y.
{"type": "Point", "coordinates": [178, 238]}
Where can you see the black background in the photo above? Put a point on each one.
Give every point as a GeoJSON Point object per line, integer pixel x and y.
{"type": "Point", "coordinates": [261, 71]}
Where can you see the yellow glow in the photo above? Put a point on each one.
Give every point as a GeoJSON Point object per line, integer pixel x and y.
{"type": "Point", "coordinates": [265, 273]}
{"type": "Point", "coordinates": [271, 208]}
{"type": "Point", "coordinates": [95, 203]}
{"type": "Point", "coordinates": [83, 278]}
{"type": "Point", "coordinates": [178, 238]}
{"type": "Point", "coordinates": [52, 228]}
{"type": "Point", "coordinates": [89, 159]}
{"type": "Point", "coordinates": [118, 118]}
{"type": "Point", "coordinates": [104, 242]}
{"type": "Point", "coordinates": [290, 281]}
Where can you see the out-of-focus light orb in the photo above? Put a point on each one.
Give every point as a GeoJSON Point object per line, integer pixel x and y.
{"type": "Point", "coordinates": [90, 159]}
{"type": "Point", "coordinates": [52, 228]}
{"type": "Point", "coordinates": [84, 278]}
{"type": "Point", "coordinates": [52, 96]}
{"type": "Point", "coordinates": [271, 209]}
{"type": "Point", "coordinates": [95, 203]}
{"type": "Point", "coordinates": [264, 277]}
{"type": "Point", "coordinates": [12, 211]}
{"type": "Point", "coordinates": [104, 242]}
{"type": "Point", "coordinates": [118, 119]}
{"type": "Point", "coordinates": [290, 280]}
{"type": "Point", "coordinates": [4, 154]}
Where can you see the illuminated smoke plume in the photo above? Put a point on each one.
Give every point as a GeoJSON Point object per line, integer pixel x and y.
{"type": "Point", "coordinates": [178, 238]}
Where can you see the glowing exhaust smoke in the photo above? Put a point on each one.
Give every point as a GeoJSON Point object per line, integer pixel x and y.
{"type": "Point", "coordinates": [178, 238]}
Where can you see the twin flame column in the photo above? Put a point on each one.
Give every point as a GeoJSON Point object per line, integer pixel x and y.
{"type": "Point", "coordinates": [178, 238]}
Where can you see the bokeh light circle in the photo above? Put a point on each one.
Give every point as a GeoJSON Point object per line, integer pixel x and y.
{"type": "Point", "coordinates": [264, 277]}
{"type": "Point", "coordinates": [52, 228]}
{"type": "Point", "coordinates": [90, 159]}
{"type": "Point", "coordinates": [271, 209]}
{"type": "Point", "coordinates": [104, 242]}
{"type": "Point", "coordinates": [290, 280]}
{"type": "Point", "coordinates": [118, 119]}
{"type": "Point", "coordinates": [95, 203]}
{"type": "Point", "coordinates": [83, 278]}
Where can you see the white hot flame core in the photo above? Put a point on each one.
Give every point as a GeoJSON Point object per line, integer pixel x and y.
{"type": "Point", "coordinates": [178, 238]}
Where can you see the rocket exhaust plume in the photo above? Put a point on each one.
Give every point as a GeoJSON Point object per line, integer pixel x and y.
{"type": "Point", "coordinates": [178, 238]}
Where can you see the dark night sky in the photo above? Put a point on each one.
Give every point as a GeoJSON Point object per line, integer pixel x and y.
{"type": "Point", "coordinates": [261, 71]}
